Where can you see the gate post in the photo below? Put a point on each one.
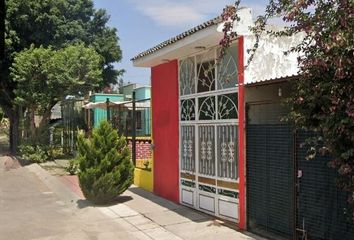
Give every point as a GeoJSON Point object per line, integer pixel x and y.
{"type": "Point", "coordinates": [241, 140]}
{"type": "Point", "coordinates": [134, 131]}
{"type": "Point", "coordinates": [108, 116]}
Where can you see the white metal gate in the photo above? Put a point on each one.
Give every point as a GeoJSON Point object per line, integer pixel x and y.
{"type": "Point", "coordinates": [208, 133]}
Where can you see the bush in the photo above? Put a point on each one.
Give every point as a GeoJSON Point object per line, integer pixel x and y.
{"type": "Point", "coordinates": [34, 153]}
{"type": "Point", "coordinates": [39, 153]}
{"type": "Point", "coordinates": [105, 168]}
{"type": "Point", "coordinates": [4, 126]}
{"type": "Point", "coordinates": [73, 167]}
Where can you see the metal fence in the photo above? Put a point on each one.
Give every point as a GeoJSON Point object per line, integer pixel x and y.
{"type": "Point", "coordinates": [132, 119]}
{"type": "Point", "coordinates": [73, 119]}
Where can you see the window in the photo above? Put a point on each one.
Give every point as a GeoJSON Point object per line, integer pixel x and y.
{"type": "Point", "coordinates": [139, 124]}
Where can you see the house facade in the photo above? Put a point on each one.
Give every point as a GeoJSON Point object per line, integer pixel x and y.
{"type": "Point", "coordinates": [199, 117]}
{"type": "Point", "coordinates": [219, 145]}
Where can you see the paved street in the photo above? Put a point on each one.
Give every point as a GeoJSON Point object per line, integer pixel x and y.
{"type": "Point", "coordinates": [37, 205]}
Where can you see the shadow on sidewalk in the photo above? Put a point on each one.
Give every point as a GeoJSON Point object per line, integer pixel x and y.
{"type": "Point", "coordinates": [184, 211]}
{"type": "Point", "coordinates": [11, 161]}
{"type": "Point", "coordinates": [7, 161]}
{"type": "Point", "coordinates": [83, 203]}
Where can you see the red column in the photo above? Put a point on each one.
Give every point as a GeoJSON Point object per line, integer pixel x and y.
{"type": "Point", "coordinates": [241, 135]}
{"type": "Point", "coordinates": [164, 90]}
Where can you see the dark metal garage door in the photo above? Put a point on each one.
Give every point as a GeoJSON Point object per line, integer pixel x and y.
{"type": "Point", "coordinates": [321, 204]}
{"type": "Point", "coordinates": [274, 160]}
{"type": "Point", "coordinates": [270, 171]}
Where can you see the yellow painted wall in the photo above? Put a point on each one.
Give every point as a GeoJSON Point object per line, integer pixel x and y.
{"type": "Point", "coordinates": [143, 179]}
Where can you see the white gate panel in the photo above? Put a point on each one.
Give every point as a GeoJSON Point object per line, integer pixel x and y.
{"type": "Point", "coordinates": [228, 209]}
{"type": "Point", "coordinates": [207, 203]}
{"type": "Point", "coordinates": [187, 197]}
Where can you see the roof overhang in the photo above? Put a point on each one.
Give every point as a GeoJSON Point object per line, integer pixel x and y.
{"type": "Point", "coordinates": [127, 104]}
{"type": "Point", "coordinates": [187, 46]}
{"type": "Point", "coordinates": [272, 81]}
{"type": "Point", "coordinates": [192, 41]}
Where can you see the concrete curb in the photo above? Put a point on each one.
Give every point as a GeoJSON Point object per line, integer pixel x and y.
{"type": "Point", "coordinates": [54, 184]}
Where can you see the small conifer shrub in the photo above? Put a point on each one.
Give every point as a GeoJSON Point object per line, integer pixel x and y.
{"type": "Point", "coordinates": [105, 168]}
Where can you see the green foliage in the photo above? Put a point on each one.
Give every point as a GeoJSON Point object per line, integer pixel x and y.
{"type": "Point", "coordinates": [73, 167]}
{"type": "Point", "coordinates": [59, 23]}
{"type": "Point", "coordinates": [72, 69]}
{"type": "Point", "coordinates": [30, 71]}
{"type": "Point", "coordinates": [53, 24]}
{"type": "Point", "coordinates": [34, 153]}
{"type": "Point", "coordinates": [1, 114]}
{"type": "Point", "coordinates": [104, 163]}
{"type": "Point", "coordinates": [4, 126]}
{"type": "Point", "coordinates": [39, 153]}
{"type": "Point", "coordinates": [37, 149]}
{"type": "Point", "coordinates": [41, 72]}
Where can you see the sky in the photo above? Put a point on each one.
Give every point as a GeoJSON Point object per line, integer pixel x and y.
{"type": "Point", "coordinates": [142, 24]}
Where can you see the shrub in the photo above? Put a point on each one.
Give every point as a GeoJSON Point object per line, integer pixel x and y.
{"type": "Point", "coordinates": [105, 168]}
{"type": "Point", "coordinates": [4, 126]}
{"type": "Point", "coordinates": [34, 153]}
{"type": "Point", "coordinates": [39, 153]}
{"type": "Point", "coordinates": [73, 167]}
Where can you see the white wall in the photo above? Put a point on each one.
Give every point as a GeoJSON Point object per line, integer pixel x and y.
{"type": "Point", "coordinates": [269, 60]}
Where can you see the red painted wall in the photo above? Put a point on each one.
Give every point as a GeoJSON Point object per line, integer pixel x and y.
{"type": "Point", "coordinates": [164, 90]}
{"type": "Point", "coordinates": [241, 135]}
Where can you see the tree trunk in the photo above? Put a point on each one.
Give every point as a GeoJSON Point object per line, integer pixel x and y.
{"type": "Point", "coordinates": [45, 118]}
{"type": "Point", "coordinates": [43, 125]}
{"type": "Point", "coordinates": [14, 132]}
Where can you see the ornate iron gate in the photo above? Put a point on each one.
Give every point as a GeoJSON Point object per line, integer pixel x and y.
{"type": "Point", "coordinates": [208, 133]}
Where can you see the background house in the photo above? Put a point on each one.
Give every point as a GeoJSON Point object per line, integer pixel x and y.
{"type": "Point", "coordinates": [98, 114]}
{"type": "Point", "coordinates": [120, 110]}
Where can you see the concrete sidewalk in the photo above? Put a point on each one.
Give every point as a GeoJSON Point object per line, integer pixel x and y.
{"type": "Point", "coordinates": [32, 210]}
{"type": "Point", "coordinates": [159, 218]}
{"type": "Point", "coordinates": [138, 214]}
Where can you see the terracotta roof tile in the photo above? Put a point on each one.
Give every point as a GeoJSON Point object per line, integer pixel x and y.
{"type": "Point", "coordinates": [178, 37]}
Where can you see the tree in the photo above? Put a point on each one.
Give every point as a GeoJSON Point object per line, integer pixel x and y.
{"type": "Point", "coordinates": [106, 170]}
{"type": "Point", "coordinates": [2, 37]}
{"type": "Point", "coordinates": [323, 97]}
{"type": "Point", "coordinates": [45, 76]}
{"type": "Point", "coordinates": [55, 23]}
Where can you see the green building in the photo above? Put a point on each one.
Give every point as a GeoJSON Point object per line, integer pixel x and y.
{"type": "Point", "coordinates": [99, 114]}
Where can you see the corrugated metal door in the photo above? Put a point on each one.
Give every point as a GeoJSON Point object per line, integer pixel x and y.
{"type": "Point", "coordinates": [270, 171]}
{"type": "Point", "coordinates": [321, 204]}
